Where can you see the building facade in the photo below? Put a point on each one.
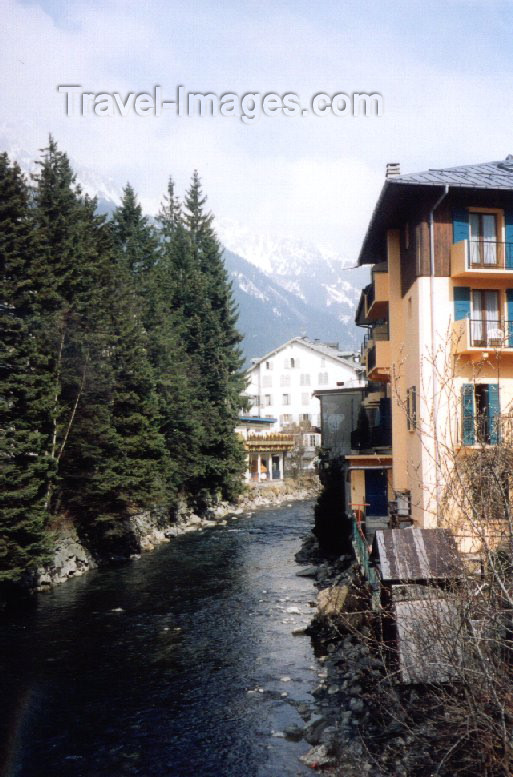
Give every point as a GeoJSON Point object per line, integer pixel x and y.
{"type": "Point", "coordinates": [282, 383]}
{"type": "Point", "coordinates": [439, 344]}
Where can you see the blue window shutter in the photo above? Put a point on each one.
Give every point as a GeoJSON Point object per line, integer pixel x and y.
{"type": "Point", "coordinates": [494, 412]}
{"type": "Point", "coordinates": [508, 235]}
{"type": "Point", "coordinates": [509, 324]}
{"type": "Point", "coordinates": [461, 302]}
{"type": "Point", "coordinates": [460, 225]}
{"type": "Point", "coordinates": [467, 404]}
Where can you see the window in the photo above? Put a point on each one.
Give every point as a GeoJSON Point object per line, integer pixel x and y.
{"type": "Point", "coordinates": [486, 323]}
{"type": "Point", "coordinates": [267, 381]}
{"type": "Point", "coordinates": [323, 378]}
{"type": "Point", "coordinates": [286, 418]}
{"type": "Point", "coordinates": [268, 365]}
{"type": "Point", "coordinates": [255, 399]}
{"type": "Point", "coordinates": [285, 400]}
{"type": "Point", "coordinates": [267, 400]}
{"type": "Point", "coordinates": [305, 398]}
{"type": "Point", "coordinates": [312, 440]}
{"type": "Point", "coordinates": [483, 239]}
{"type": "Point", "coordinates": [480, 413]}
{"type": "Point", "coordinates": [304, 379]}
{"type": "Point", "coordinates": [412, 408]}
{"type": "Point", "coordinates": [305, 417]}
{"type": "Point", "coordinates": [284, 380]}
{"type": "Point", "coordinates": [323, 362]}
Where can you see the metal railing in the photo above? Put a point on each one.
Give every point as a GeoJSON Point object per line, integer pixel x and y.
{"type": "Point", "coordinates": [491, 333]}
{"type": "Point", "coordinates": [361, 546]}
{"type": "Point", "coordinates": [490, 254]}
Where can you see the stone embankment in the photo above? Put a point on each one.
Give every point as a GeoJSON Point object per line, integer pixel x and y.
{"type": "Point", "coordinates": [151, 528]}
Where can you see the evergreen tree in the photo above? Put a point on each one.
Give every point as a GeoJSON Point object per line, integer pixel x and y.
{"type": "Point", "coordinates": [25, 422]}
{"type": "Point", "coordinates": [219, 350]}
{"type": "Point", "coordinates": [145, 344]}
{"type": "Point", "coordinates": [106, 449]}
{"type": "Point", "coordinates": [176, 339]}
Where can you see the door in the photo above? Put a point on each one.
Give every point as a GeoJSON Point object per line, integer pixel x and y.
{"type": "Point", "coordinates": [376, 491]}
{"type": "Point", "coordinates": [483, 239]}
{"type": "Point", "coordinates": [486, 319]}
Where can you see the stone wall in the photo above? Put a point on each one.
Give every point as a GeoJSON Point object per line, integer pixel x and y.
{"type": "Point", "coordinates": [152, 527]}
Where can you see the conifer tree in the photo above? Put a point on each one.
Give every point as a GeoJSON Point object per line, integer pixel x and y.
{"type": "Point", "coordinates": [176, 340]}
{"type": "Point", "coordinates": [144, 344]}
{"type": "Point", "coordinates": [105, 447]}
{"type": "Point", "coordinates": [25, 422]}
{"type": "Point", "coordinates": [219, 350]}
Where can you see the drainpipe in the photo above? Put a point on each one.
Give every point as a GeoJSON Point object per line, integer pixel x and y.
{"type": "Point", "coordinates": [433, 367]}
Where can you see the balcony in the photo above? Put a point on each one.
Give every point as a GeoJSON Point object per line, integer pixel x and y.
{"type": "Point", "coordinates": [473, 336]}
{"type": "Point", "coordinates": [481, 258]}
{"type": "Point", "coordinates": [377, 353]}
{"type": "Point", "coordinates": [377, 297]}
{"type": "Point", "coordinates": [378, 361]}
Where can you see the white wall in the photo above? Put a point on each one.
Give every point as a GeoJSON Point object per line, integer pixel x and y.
{"type": "Point", "coordinates": [274, 380]}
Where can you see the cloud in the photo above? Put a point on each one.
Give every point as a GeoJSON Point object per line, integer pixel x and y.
{"type": "Point", "coordinates": [314, 178]}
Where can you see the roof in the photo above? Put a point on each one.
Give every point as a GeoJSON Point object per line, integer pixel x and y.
{"type": "Point", "coordinates": [429, 641]}
{"type": "Point", "coordinates": [396, 194]}
{"type": "Point", "coordinates": [332, 351]}
{"type": "Point", "coordinates": [414, 554]}
{"type": "Point", "coordinates": [250, 419]}
{"type": "Point", "coordinates": [339, 390]}
{"type": "Point", "coordinates": [487, 175]}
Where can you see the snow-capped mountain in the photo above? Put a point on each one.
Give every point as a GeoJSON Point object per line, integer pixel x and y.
{"type": "Point", "coordinates": [269, 314]}
{"type": "Point", "coordinates": [315, 275]}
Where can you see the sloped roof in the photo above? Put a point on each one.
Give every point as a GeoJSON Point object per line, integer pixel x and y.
{"type": "Point", "coordinates": [409, 555]}
{"type": "Point", "coordinates": [396, 195]}
{"type": "Point", "coordinates": [487, 175]}
{"type": "Point", "coordinates": [315, 345]}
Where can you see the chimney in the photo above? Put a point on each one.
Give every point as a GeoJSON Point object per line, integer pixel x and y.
{"type": "Point", "coordinates": [393, 169]}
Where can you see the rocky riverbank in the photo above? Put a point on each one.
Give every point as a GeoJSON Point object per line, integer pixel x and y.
{"type": "Point", "coordinates": [151, 528]}
{"type": "Point", "coordinates": [341, 634]}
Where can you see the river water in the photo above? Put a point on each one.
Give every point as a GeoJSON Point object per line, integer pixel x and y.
{"type": "Point", "coordinates": [175, 665]}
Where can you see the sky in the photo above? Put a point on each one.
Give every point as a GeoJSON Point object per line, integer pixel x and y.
{"type": "Point", "coordinates": [444, 70]}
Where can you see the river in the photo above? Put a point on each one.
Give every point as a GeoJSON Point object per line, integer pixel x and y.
{"type": "Point", "coordinates": [181, 664]}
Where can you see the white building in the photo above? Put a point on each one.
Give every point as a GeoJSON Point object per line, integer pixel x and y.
{"type": "Point", "coordinates": [282, 383]}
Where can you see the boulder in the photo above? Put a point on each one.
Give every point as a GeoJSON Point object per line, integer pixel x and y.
{"type": "Point", "coordinates": [307, 572]}
{"type": "Point", "coordinates": [317, 758]}
{"type": "Point", "coordinates": [330, 601]}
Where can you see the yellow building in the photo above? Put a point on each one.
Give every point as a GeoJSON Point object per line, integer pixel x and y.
{"type": "Point", "coordinates": [439, 346]}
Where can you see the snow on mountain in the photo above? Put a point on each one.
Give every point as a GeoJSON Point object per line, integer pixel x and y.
{"type": "Point", "coordinates": [269, 315]}
{"type": "Point", "coordinates": [315, 275]}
